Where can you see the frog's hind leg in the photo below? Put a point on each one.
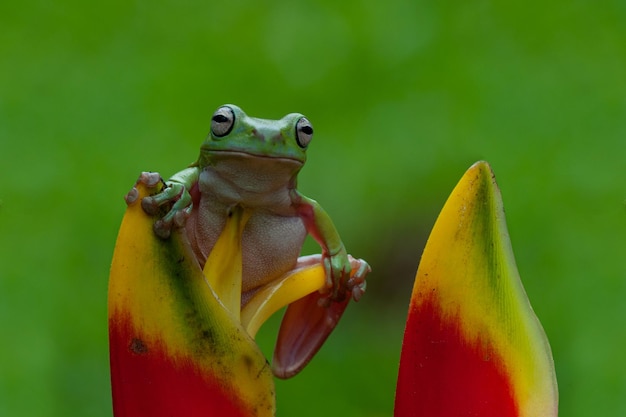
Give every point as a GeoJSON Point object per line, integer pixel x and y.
{"type": "Point", "coordinates": [308, 322]}
{"type": "Point", "coordinates": [312, 313]}
{"type": "Point", "coordinates": [306, 325]}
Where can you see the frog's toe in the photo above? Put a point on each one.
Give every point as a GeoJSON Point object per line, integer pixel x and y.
{"type": "Point", "coordinates": [181, 216]}
{"type": "Point", "coordinates": [162, 228]}
{"type": "Point", "coordinates": [358, 291]}
{"type": "Point", "coordinates": [357, 284]}
{"type": "Point", "coordinates": [328, 272]}
{"type": "Point", "coordinates": [150, 179]}
{"type": "Point", "coordinates": [131, 196]}
{"type": "Point", "coordinates": [176, 217]}
{"type": "Point", "coordinates": [149, 205]}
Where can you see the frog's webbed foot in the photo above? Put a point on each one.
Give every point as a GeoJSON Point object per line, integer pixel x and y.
{"type": "Point", "coordinates": [173, 193]}
{"type": "Point", "coordinates": [149, 179]}
{"type": "Point", "coordinates": [342, 283]}
{"type": "Point", "coordinates": [345, 276]}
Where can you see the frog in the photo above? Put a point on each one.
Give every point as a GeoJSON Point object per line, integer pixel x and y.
{"type": "Point", "coordinates": [252, 164]}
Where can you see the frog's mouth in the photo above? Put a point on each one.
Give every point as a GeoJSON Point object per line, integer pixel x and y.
{"type": "Point", "coordinates": [222, 155]}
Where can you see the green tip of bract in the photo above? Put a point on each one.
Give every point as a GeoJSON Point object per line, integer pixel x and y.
{"type": "Point", "coordinates": [472, 344]}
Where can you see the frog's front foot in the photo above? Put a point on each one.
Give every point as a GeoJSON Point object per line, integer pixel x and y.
{"type": "Point", "coordinates": [173, 193]}
{"type": "Point", "coordinates": [149, 179]}
{"type": "Point", "coordinates": [345, 277]}
{"type": "Point", "coordinates": [356, 285]}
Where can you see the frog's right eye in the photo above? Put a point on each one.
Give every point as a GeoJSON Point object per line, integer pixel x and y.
{"type": "Point", "coordinates": [304, 132]}
{"type": "Point", "coordinates": [222, 121]}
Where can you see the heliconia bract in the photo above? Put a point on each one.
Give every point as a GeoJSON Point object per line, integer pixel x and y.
{"type": "Point", "coordinates": [473, 345]}
{"type": "Point", "coordinates": [175, 348]}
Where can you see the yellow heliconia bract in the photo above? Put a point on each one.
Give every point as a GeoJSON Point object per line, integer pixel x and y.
{"type": "Point", "coordinates": [176, 348]}
{"type": "Point", "coordinates": [472, 344]}
{"type": "Point", "coordinates": [273, 297]}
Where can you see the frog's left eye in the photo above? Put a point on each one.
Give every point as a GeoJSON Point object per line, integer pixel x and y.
{"type": "Point", "coordinates": [222, 121]}
{"type": "Point", "coordinates": [304, 132]}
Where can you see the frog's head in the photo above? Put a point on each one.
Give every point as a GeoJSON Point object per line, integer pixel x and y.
{"type": "Point", "coordinates": [234, 132]}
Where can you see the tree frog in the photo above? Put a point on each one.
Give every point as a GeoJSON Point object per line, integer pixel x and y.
{"type": "Point", "coordinates": [254, 163]}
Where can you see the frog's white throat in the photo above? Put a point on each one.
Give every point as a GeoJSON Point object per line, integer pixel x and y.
{"type": "Point", "coordinates": [251, 180]}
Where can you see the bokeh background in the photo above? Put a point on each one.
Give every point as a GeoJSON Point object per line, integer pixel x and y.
{"type": "Point", "coordinates": [404, 95]}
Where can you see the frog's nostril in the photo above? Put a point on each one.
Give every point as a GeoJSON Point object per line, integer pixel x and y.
{"type": "Point", "coordinates": [278, 138]}
{"type": "Point", "coordinates": [258, 134]}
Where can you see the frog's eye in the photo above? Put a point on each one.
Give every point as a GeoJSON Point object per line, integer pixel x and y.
{"type": "Point", "coordinates": [222, 121]}
{"type": "Point", "coordinates": [304, 132]}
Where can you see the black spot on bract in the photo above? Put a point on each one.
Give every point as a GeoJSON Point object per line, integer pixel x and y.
{"type": "Point", "coordinates": [138, 347]}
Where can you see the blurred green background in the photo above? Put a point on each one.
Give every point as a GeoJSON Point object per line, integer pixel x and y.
{"type": "Point", "coordinates": [404, 95]}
